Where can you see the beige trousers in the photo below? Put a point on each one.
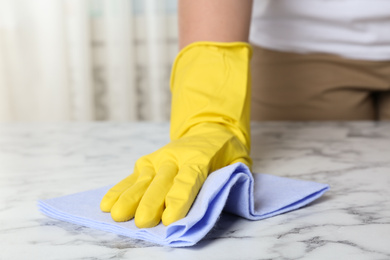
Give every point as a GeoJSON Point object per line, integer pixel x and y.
{"type": "Point", "coordinates": [291, 86]}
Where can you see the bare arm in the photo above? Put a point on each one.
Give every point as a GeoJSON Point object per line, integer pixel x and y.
{"type": "Point", "coordinates": [214, 20]}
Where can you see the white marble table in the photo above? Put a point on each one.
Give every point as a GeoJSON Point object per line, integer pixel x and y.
{"type": "Point", "coordinates": [352, 220]}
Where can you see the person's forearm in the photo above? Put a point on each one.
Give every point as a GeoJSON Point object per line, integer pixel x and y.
{"type": "Point", "coordinates": [214, 20]}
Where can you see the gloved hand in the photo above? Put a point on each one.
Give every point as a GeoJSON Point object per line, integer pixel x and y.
{"type": "Point", "coordinates": [210, 118]}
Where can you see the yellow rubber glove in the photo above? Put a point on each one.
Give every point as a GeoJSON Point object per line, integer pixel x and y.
{"type": "Point", "coordinates": [210, 117]}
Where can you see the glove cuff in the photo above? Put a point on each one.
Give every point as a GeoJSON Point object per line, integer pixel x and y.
{"type": "Point", "coordinates": [210, 83]}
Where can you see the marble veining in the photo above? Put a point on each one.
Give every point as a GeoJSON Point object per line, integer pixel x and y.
{"type": "Point", "coordinates": [351, 221]}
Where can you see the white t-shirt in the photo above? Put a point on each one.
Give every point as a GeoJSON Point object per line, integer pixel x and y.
{"type": "Point", "coordinates": [357, 29]}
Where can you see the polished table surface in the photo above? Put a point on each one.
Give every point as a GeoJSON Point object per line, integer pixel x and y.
{"type": "Point", "coordinates": [351, 221]}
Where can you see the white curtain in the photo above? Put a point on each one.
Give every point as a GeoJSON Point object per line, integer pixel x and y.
{"type": "Point", "coordinates": [86, 60]}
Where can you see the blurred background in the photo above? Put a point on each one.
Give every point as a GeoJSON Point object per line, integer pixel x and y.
{"type": "Point", "coordinates": [86, 60]}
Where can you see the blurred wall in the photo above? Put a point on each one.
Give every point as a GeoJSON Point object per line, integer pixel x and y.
{"type": "Point", "coordinates": [83, 60]}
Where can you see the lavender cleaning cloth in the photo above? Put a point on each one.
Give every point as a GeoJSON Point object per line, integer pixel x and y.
{"type": "Point", "coordinates": [232, 189]}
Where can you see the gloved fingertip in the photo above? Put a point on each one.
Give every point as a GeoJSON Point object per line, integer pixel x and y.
{"type": "Point", "coordinates": [105, 206]}
{"type": "Point", "coordinates": [147, 216]}
{"type": "Point", "coordinates": [146, 222]}
{"type": "Point", "coordinates": [119, 214]}
{"type": "Point", "coordinates": [107, 202]}
{"type": "Point", "coordinates": [169, 217]}
{"type": "Point", "coordinates": [167, 222]}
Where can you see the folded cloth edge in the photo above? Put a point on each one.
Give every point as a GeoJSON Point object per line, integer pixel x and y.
{"type": "Point", "coordinates": [229, 178]}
